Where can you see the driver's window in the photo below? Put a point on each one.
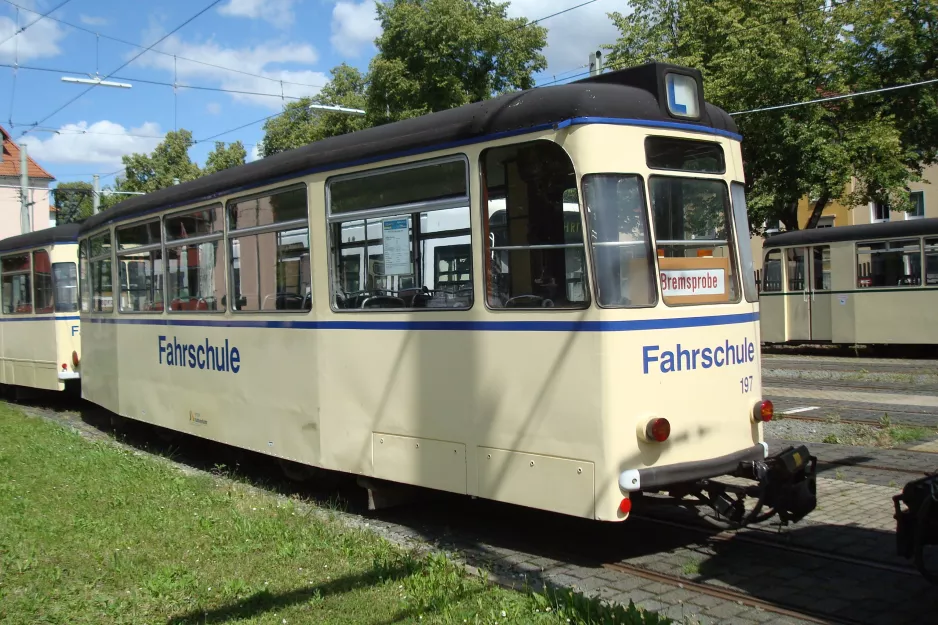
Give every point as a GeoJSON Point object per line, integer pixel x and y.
{"type": "Point", "coordinates": [534, 248]}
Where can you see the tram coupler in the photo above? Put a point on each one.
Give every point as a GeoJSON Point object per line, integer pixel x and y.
{"type": "Point", "coordinates": [787, 484]}
{"type": "Point", "coordinates": [917, 524]}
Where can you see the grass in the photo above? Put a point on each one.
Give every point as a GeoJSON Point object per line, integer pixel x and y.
{"type": "Point", "coordinates": [93, 533]}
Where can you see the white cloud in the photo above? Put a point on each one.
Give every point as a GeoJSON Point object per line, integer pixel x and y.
{"type": "Point", "coordinates": [354, 26]}
{"type": "Point", "coordinates": [103, 142]}
{"type": "Point", "coordinates": [277, 12]}
{"type": "Point", "coordinates": [571, 36]}
{"type": "Point", "coordinates": [255, 153]}
{"type": "Point", "coordinates": [91, 20]}
{"type": "Point", "coordinates": [40, 40]}
{"type": "Point", "coordinates": [263, 60]}
{"type": "Point", "coordinates": [213, 108]}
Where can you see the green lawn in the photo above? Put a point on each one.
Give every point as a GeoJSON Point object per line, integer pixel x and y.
{"type": "Point", "coordinates": [93, 533]}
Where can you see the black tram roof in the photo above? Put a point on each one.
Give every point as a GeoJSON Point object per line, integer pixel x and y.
{"type": "Point", "coordinates": [39, 238]}
{"type": "Point", "coordinates": [636, 95]}
{"type": "Point", "coordinates": [887, 229]}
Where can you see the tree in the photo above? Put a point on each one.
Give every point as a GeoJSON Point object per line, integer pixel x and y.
{"type": "Point", "coordinates": [759, 55]}
{"type": "Point", "coordinates": [299, 125]}
{"type": "Point", "coordinates": [73, 202]}
{"type": "Point", "coordinates": [225, 157]}
{"type": "Point", "coordinates": [438, 54]}
{"type": "Point", "coordinates": [167, 163]}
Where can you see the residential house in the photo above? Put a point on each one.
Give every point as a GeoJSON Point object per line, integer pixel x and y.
{"type": "Point", "coordinates": [41, 214]}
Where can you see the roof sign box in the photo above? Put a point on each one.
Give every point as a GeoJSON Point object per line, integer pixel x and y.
{"type": "Point", "coordinates": [682, 95]}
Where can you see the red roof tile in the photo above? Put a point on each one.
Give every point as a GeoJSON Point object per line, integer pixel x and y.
{"type": "Point", "coordinates": [10, 166]}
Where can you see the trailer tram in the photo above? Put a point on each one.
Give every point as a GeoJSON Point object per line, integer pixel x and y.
{"type": "Point", "coordinates": [538, 299]}
{"type": "Point", "coordinates": [40, 338]}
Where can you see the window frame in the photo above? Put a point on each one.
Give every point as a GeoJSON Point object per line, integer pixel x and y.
{"type": "Point", "coordinates": [655, 168]}
{"type": "Point", "coordinates": [909, 215]}
{"type": "Point", "coordinates": [733, 256]}
{"type": "Point", "coordinates": [782, 282]}
{"type": "Point", "coordinates": [873, 218]}
{"type": "Point", "coordinates": [56, 287]}
{"type": "Point", "coordinates": [119, 253]}
{"type": "Point", "coordinates": [167, 244]}
{"type": "Point", "coordinates": [35, 284]}
{"type": "Point", "coordinates": [229, 235]}
{"type": "Point", "coordinates": [92, 260]}
{"type": "Point", "coordinates": [28, 253]}
{"type": "Point", "coordinates": [920, 240]}
{"type": "Point", "coordinates": [409, 210]}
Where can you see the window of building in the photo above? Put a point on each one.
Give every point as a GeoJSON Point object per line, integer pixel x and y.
{"type": "Point", "coordinates": [534, 245]}
{"type": "Point", "coordinates": [879, 212]}
{"type": "Point", "coordinates": [65, 283]}
{"type": "Point", "coordinates": [794, 257]}
{"type": "Point", "coordinates": [620, 240]}
{"type": "Point", "coordinates": [821, 267]}
{"type": "Point", "coordinates": [140, 267]}
{"type": "Point", "coordinates": [17, 296]}
{"type": "Point", "coordinates": [889, 264]}
{"type": "Point", "coordinates": [269, 247]}
{"type": "Point", "coordinates": [102, 295]}
{"type": "Point", "coordinates": [43, 294]}
{"type": "Point", "coordinates": [694, 235]}
{"type": "Point", "coordinates": [404, 243]}
{"type": "Point", "coordinates": [931, 261]}
{"type": "Point", "coordinates": [772, 272]}
{"type": "Point", "coordinates": [918, 205]}
{"type": "Point", "coordinates": [826, 221]}
{"type": "Point", "coordinates": [195, 263]}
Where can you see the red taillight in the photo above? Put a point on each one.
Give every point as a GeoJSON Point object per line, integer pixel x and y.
{"type": "Point", "coordinates": [64, 366]}
{"type": "Point", "coordinates": [763, 411]}
{"type": "Point", "coordinates": [658, 430]}
{"type": "Point", "coordinates": [625, 506]}
{"type": "Point", "coordinates": [74, 359]}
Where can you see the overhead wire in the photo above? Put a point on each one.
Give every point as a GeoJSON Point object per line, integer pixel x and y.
{"type": "Point", "coordinates": [18, 31]}
{"type": "Point", "coordinates": [132, 59]}
{"type": "Point", "coordinates": [181, 58]}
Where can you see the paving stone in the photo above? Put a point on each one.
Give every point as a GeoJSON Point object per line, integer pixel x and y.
{"type": "Point", "coordinates": [650, 605]}
{"type": "Point", "coordinates": [725, 609]}
{"type": "Point", "coordinates": [739, 619]}
{"type": "Point", "coordinates": [678, 594]}
{"type": "Point", "coordinates": [657, 588]}
{"type": "Point", "coordinates": [626, 584]}
{"type": "Point", "coordinates": [633, 595]}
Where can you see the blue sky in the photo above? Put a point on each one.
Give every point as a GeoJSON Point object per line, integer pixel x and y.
{"type": "Point", "coordinates": [294, 41]}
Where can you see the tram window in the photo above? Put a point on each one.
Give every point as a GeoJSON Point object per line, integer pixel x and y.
{"type": "Point", "coordinates": [931, 261]}
{"type": "Point", "coordinates": [43, 301]}
{"type": "Point", "coordinates": [65, 282]}
{"type": "Point", "coordinates": [534, 248]}
{"type": "Point", "coordinates": [129, 237]}
{"type": "Point", "coordinates": [412, 257]}
{"type": "Point", "coordinates": [772, 272]}
{"type": "Point", "coordinates": [16, 292]}
{"type": "Point", "coordinates": [195, 264]}
{"type": "Point", "coordinates": [794, 257]}
{"type": "Point", "coordinates": [620, 240]}
{"type": "Point", "coordinates": [821, 268]}
{"type": "Point", "coordinates": [192, 224]}
{"type": "Point", "coordinates": [684, 155]}
{"type": "Point", "coordinates": [889, 264]}
{"type": "Point", "coordinates": [102, 295]}
{"type": "Point", "coordinates": [270, 255]}
{"type": "Point", "coordinates": [141, 280]}
{"type": "Point", "coordinates": [694, 235]}
{"type": "Point", "coordinates": [84, 276]}
{"type": "Point", "coordinates": [741, 219]}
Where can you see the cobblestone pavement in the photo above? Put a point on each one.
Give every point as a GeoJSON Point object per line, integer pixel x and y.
{"type": "Point", "coordinates": [878, 398]}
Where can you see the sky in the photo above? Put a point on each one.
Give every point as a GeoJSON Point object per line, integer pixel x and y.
{"type": "Point", "coordinates": [281, 49]}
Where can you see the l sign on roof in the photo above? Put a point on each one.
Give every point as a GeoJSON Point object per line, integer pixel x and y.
{"type": "Point", "coordinates": [682, 95]}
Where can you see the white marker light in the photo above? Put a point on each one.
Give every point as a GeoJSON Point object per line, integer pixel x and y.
{"type": "Point", "coordinates": [97, 81]}
{"type": "Point", "coordinates": [682, 96]}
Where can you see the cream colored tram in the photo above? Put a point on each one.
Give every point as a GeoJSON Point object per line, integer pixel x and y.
{"type": "Point", "coordinates": [40, 338]}
{"type": "Point", "coordinates": [872, 284]}
{"type": "Point", "coordinates": [537, 299]}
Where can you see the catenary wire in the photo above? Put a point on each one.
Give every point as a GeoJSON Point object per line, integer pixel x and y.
{"type": "Point", "coordinates": [19, 31]}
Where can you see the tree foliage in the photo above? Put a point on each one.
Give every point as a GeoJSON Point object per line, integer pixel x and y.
{"type": "Point", "coordinates": [299, 125]}
{"type": "Point", "coordinates": [167, 163]}
{"type": "Point", "coordinates": [73, 202]}
{"type": "Point", "coordinates": [759, 55]}
{"type": "Point", "coordinates": [438, 54]}
{"type": "Point", "coordinates": [223, 157]}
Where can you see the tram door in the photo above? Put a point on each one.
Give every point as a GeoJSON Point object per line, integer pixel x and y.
{"type": "Point", "coordinates": [808, 297]}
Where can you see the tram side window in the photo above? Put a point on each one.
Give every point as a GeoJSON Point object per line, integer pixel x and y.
{"type": "Point", "coordinates": [16, 292]}
{"type": "Point", "coordinates": [534, 248]}
{"type": "Point", "coordinates": [195, 261]}
{"type": "Point", "coordinates": [411, 250]}
{"type": "Point", "coordinates": [887, 264]}
{"type": "Point", "coordinates": [772, 272]}
{"type": "Point", "coordinates": [84, 280]}
{"type": "Point", "coordinates": [269, 250]}
{"type": "Point", "coordinates": [140, 267]}
{"type": "Point", "coordinates": [43, 299]}
{"type": "Point", "coordinates": [102, 295]}
{"type": "Point", "coordinates": [796, 268]}
{"type": "Point", "coordinates": [620, 240]}
{"type": "Point", "coordinates": [931, 261]}
{"type": "Point", "coordinates": [65, 283]}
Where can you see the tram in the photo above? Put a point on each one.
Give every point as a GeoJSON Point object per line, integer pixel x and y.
{"type": "Point", "coordinates": [538, 299]}
{"type": "Point", "coordinates": [40, 338]}
{"type": "Point", "coordinates": [872, 284]}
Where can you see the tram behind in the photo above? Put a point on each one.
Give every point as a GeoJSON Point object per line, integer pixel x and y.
{"type": "Point", "coordinates": [40, 342]}
{"type": "Point", "coordinates": [537, 299]}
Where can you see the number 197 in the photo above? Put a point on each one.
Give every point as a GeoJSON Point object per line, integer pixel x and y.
{"type": "Point", "coordinates": [745, 384]}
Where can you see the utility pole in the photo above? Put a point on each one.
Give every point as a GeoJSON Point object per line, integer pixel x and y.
{"type": "Point", "coordinates": [24, 189]}
{"type": "Point", "coordinates": [95, 194]}
{"type": "Point", "coordinates": [596, 63]}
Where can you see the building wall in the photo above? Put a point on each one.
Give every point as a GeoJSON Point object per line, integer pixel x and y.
{"type": "Point", "coordinates": [10, 206]}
